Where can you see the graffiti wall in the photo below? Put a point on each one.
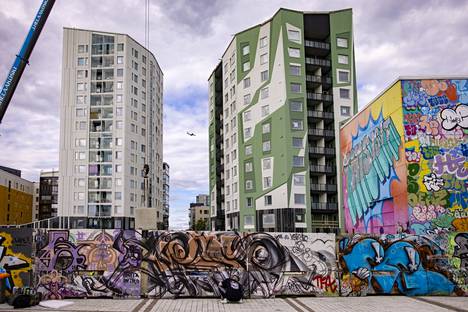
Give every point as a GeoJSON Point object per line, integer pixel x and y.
{"type": "Point", "coordinates": [15, 257]}
{"type": "Point", "coordinates": [405, 264]}
{"type": "Point", "coordinates": [374, 168]}
{"type": "Point", "coordinates": [84, 263]}
{"type": "Point", "coordinates": [436, 145]}
{"type": "Point", "coordinates": [88, 263]}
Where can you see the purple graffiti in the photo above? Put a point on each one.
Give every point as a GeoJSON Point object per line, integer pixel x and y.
{"type": "Point", "coordinates": [453, 165]}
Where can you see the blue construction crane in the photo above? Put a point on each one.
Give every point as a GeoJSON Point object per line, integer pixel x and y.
{"type": "Point", "coordinates": [22, 58]}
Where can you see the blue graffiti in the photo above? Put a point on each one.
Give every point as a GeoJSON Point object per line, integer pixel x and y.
{"type": "Point", "coordinates": [398, 266]}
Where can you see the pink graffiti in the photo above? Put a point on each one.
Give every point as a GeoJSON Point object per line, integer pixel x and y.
{"type": "Point", "coordinates": [453, 165]}
{"type": "Point", "coordinates": [424, 213]}
{"type": "Point", "coordinates": [430, 127]}
{"type": "Point", "coordinates": [410, 130]}
{"type": "Point", "coordinates": [412, 156]}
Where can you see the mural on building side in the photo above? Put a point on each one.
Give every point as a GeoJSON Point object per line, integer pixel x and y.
{"type": "Point", "coordinates": [404, 264]}
{"type": "Point", "coordinates": [436, 145]}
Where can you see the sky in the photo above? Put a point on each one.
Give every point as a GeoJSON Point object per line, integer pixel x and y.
{"type": "Point", "coordinates": [392, 38]}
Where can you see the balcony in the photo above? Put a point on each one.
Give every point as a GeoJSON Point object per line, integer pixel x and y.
{"type": "Point", "coordinates": [316, 44]}
{"type": "Point", "coordinates": [321, 169]}
{"type": "Point", "coordinates": [323, 187]}
{"type": "Point", "coordinates": [321, 132]}
{"type": "Point", "coordinates": [324, 206]}
{"type": "Point", "coordinates": [322, 150]}
{"type": "Point", "coordinates": [314, 79]}
{"type": "Point", "coordinates": [315, 61]}
{"type": "Point", "coordinates": [319, 97]}
{"type": "Point", "coordinates": [320, 114]}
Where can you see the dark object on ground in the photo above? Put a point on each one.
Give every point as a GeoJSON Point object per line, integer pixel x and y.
{"type": "Point", "coordinates": [231, 290]}
{"type": "Point", "coordinates": [24, 297]}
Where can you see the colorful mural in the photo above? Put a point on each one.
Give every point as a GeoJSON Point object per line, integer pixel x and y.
{"type": "Point", "coordinates": [436, 138]}
{"type": "Point", "coordinates": [373, 168]}
{"type": "Point", "coordinates": [405, 264]}
{"type": "Point", "coordinates": [84, 263]}
{"type": "Point", "coordinates": [15, 256]}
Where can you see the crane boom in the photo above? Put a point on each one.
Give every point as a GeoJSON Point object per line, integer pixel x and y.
{"type": "Point", "coordinates": [22, 58]}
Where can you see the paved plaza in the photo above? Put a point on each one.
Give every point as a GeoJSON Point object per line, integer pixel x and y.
{"type": "Point", "coordinates": [302, 304]}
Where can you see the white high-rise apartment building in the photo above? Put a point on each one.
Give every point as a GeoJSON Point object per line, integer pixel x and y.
{"type": "Point", "coordinates": [111, 126]}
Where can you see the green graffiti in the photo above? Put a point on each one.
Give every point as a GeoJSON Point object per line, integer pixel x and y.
{"type": "Point", "coordinates": [413, 185]}
{"type": "Point", "coordinates": [441, 198]}
{"type": "Point", "coordinates": [443, 221]}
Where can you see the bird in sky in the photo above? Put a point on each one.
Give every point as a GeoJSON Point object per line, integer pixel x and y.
{"type": "Point", "coordinates": [190, 133]}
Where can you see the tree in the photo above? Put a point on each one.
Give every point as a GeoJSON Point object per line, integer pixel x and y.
{"type": "Point", "coordinates": [201, 225]}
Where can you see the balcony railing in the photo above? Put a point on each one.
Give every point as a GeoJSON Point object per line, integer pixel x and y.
{"type": "Point", "coordinates": [319, 96]}
{"type": "Point", "coordinates": [321, 168]}
{"type": "Point", "coordinates": [321, 132]}
{"type": "Point", "coordinates": [317, 44]}
{"type": "Point", "coordinates": [317, 61]}
{"type": "Point", "coordinates": [320, 114]}
{"type": "Point", "coordinates": [324, 206]}
{"type": "Point", "coordinates": [321, 150]}
{"type": "Point", "coordinates": [318, 79]}
{"type": "Point", "coordinates": [323, 187]}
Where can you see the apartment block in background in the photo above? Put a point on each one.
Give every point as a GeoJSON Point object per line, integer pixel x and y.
{"type": "Point", "coordinates": [277, 99]}
{"type": "Point", "coordinates": [48, 194]}
{"type": "Point", "coordinates": [200, 211]}
{"type": "Point", "coordinates": [35, 208]}
{"type": "Point", "coordinates": [166, 188]}
{"type": "Point", "coordinates": [111, 127]}
{"type": "Point", "coordinates": [16, 197]}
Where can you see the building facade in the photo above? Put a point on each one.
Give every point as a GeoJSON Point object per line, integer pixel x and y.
{"type": "Point", "coordinates": [48, 194]}
{"type": "Point", "coordinates": [166, 188]}
{"type": "Point", "coordinates": [111, 127]}
{"type": "Point", "coordinates": [35, 209]}
{"type": "Point", "coordinates": [405, 159]}
{"type": "Point", "coordinates": [16, 197]}
{"type": "Point", "coordinates": [277, 99]}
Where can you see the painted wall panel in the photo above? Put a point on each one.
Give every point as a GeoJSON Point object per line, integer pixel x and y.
{"type": "Point", "coordinates": [374, 167]}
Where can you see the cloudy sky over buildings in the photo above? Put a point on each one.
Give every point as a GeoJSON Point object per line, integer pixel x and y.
{"type": "Point", "coordinates": [392, 38]}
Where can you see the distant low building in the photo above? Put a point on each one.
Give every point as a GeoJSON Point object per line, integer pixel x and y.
{"type": "Point", "coordinates": [16, 197]}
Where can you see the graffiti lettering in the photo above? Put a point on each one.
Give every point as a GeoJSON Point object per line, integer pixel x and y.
{"type": "Point", "coordinates": [432, 182]}
{"type": "Point", "coordinates": [451, 118]}
{"type": "Point", "coordinates": [449, 164]}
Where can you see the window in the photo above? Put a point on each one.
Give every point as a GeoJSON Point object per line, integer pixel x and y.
{"type": "Point", "coordinates": [118, 98]}
{"type": "Point", "coordinates": [247, 116]}
{"type": "Point", "coordinates": [295, 70]}
{"type": "Point", "coordinates": [248, 167]}
{"type": "Point", "coordinates": [80, 182]}
{"type": "Point", "coordinates": [247, 133]}
{"type": "Point", "coordinates": [246, 66]}
{"type": "Point", "coordinates": [119, 59]}
{"type": "Point", "coordinates": [294, 52]}
{"type": "Point", "coordinates": [265, 110]}
{"type": "Point", "coordinates": [298, 161]}
{"type": "Point", "coordinates": [82, 61]}
{"type": "Point", "coordinates": [263, 58]}
{"type": "Point", "coordinates": [345, 110]}
{"type": "Point", "coordinates": [266, 163]}
{"type": "Point", "coordinates": [118, 195]}
{"type": "Point", "coordinates": [264, 75]}
{"type": "Point", "coordinates": [268, 201]}
{"type": "Point", "coordinates": [82, 48]}
{"type": "Point", "coordinates": [119, 72]}
{"type": "Point", "coordinates": [119, 85]}
{"type": "Point", "coordinates": [118, 168]}
{"type": "Point", "coordinates": [266, 128]}
{"type": "Point", "coordinates": [80, 112]}
{"type": "Point", "coordinates": [266, 146]}
{"type": "Point", "coordinates": [118, 141]}
{"type": "Point", "coordinates": [294, 35]}
{"type": "Point", "coordinates": [344, 93]}
{"type": "Point", "coordinates": [118, 182]}
{"type": "Point", "coordinates": [299, 179]}
{"type": "Point", "coordinates": [263, 42]}
{"type": "Point", "coordinates": [248, 150]}
{"type": "Point", "coordinates": [248, 185]}
{"type": "Point", "coordinates": [245, 50]}
{"type": "Point", "coordinates": [296, 87]}
{"type": "Point", "coordinates": [120, 47]}
{"type": "Point", "coordinates": [342, 59]}
{"type": "Point", "coordinates": [342, 42]}
{"type": "Point", "coordinates": [299, 199]}
{"type": "Point", "coordinates": [297, 125]}
{"type": "Point", "coordinates": [234, 187]}
{"type": "Point", "coordinates": [80, 100]}
{"type": "Point", "coordinates": [249, 202]}
{"type": "Point", "coordinates": [264, 93]}
{"type": "Point", "coordinates": [247, 99]}
{"type": "Point", "coordinates": [343, 76]}
{"type": "Point", "coordinates": [80, 125]}
{"type": "Point", "coordinates": [80, 74]}
{"type": "Point", "coordinates": [267, 181]}
{"type": "Point", "coordinates": [81, 86]}
{"type": "Point", "coordinates": [247, 82]}
{"type": "Point", "coordinates": [119, 111]}
{"type": "Point", "coordinates": [296, 106]}
{"type": "Point", "coordinates": [118, 155]}
{"type": "Point", "coordinates": [80, 169]}
{"type": "Point", "coordinates": [80, 155]}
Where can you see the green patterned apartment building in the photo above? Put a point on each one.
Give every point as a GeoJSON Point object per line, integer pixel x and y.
{"type": "Point", "coordinates": [276, 102]}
